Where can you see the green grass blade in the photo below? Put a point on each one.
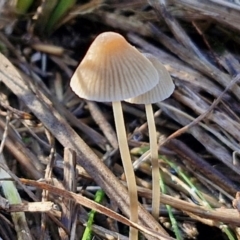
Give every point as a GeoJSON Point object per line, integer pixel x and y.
{"type": "Point", "coordinates": [170, 214]}
{"type": "Point", "coordinates": [87, 235]}
{"type": "Point", "coordinates": [59, 11]}
{"type": "Point", "coordinates": [23, 6]}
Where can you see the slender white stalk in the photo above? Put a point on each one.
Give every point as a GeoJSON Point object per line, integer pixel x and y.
{"type": "Point", "coordinates": [154, 159]}
{"type": "Point", "coordinates": [127, 165]}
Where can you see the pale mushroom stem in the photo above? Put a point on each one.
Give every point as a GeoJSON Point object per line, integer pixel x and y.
{"type": "Point", "coordinates": [127, 165]}
{"type": "Point", "coordinates": [154, 160]}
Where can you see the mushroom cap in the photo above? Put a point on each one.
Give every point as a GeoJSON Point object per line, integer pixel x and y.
{"type": "Point", "coordinates": [161, 91]}
{"type": "Point", "coordinates": [113, 70]}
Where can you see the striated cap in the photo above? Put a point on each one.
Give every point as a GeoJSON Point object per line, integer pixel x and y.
{"type": "Point", "coordinates": [113, 70]}
{"type": "Point", "coordinates": [161, 91]}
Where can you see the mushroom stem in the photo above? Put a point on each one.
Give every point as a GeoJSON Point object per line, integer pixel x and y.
{"type": "Point", "coordinates": [127, 165]}
{"type": "Point", "coordinates": [154, 160]}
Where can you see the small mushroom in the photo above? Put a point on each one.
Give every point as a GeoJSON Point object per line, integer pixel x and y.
{"type": "Point", "coordinates": [111, 71]}
{"type": "Point", "coordinates": [161, 91]}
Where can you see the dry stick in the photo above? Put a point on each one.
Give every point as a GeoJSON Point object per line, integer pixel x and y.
{"type": "Point", "coordinates": [230, 216]}
{"type": "Point", "coordinates": [16, 112]}
{"type": "Point", "coordinates": [232, 146]}
{"type": "Point", "coordinates": [180, 186]}
{"type": "Point", "coordinates": [68, 138]}
{"type": "Point", "coordinates": [5, 132]}
{"type": "Point", "coordinates": [202, 65]}
{"type": "Point", "coordinates": [69, 182]}
{"type": "Point", "coordinates": [100, 119]}
{"type": "Point", "coordinates": [47, 177]}
{"type": "Point", "coordinates": [211, 144]}
{"type": "Point", "coordinates": [94, 206]}
{"type": "Point", "coordinates": [211, 185]}
{"type": "Point", "coordinates": [5, 141]}
{"type": "Point", "coordinates": [26, 158]}
{"type": "Point", "coordinates": [75, 222]}
{"type": "Point", "coordinates": [30, 207]}
{"type": "Point", "coordinates": [229, 62]}
{"type": "Point", "coordinates": [104, 233]}
{"type": "Point", "coordinates": [198, 104]}
{"type": "Point", "coordinates": [207, 10]}
{"type": "Point", "coordinates": [143, 127]}
{"type": "Point", "coordinates": [11, 193]}
{"type": "Point", "coordinates": [214, 55]}
{"type": "Point", "coordinates": [42, 90]}
{"type": "Point", "coordinates": [202, 116]}
{"type": "Point", "coordinates": [51, 157]}
{"type": "Point", "coordinates": [30, 194]}
{"type": "Point", "coordinates": [41, 142]}
{"type": "Point", "coordinates": [177, 30]}
{"type": "Point", "coordinates": [226, 4]}
{"type": "Point", "coordinates": [174, 182]}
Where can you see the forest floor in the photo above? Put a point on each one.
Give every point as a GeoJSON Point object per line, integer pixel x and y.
{"type": "Point", "coordinates": [59, 153]}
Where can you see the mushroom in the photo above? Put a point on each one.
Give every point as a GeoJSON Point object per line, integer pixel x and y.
{"type": "Point", "coordinates": [161, 91]}
{"type": "Point", "coordinates": [111, 71]}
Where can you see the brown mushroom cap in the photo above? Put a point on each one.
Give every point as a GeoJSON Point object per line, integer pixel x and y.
{"type": "Point", "coordinates": [161, 91]}
{"type": "Point", "coordinates": [113, 70]}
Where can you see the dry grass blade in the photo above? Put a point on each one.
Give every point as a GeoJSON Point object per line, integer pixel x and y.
{"type": "Point", "coordinates": [100, 119]}
{"type": "Point", "coordinates": [202, 167]}
{"type": "Point", "coordinates": [191, 9]}
{"type": "Point", "coordinates": [94, 206]}
{"type": "Point", "coordinates": [205, 114]}
{"type": "Point", "coordinates": [12, 195]}
{"type": "Point", "coordinates": [22, 154]}
{"type": "Point", "coordinates": [31, 207]}
{"type": "Point", "coordinates": [69, 174]}
{"type": "Point", "coordinates": [228, 216]}
{"type": "Point", "coordinates": [106, 234]}
{"type": "Point", "coordinates": [177, 30]}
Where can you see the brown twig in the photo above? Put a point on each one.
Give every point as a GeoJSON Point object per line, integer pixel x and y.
{"type": "Point", "coordinates": [94, 206]}
{"type": "Point", "coordinates": [177, 30]}
{"type": "Point", "coordinates": [204, 115]}
{"type": "Point", "coordinates": [28, 160]}
{"type": "Point", "coordinates": [69, 182]}
{"type": "Point", "coordinates": [106, 128]}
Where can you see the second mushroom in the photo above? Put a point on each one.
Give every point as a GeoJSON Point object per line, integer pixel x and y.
{"type": "Point", "coordinates": [161, 91]}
